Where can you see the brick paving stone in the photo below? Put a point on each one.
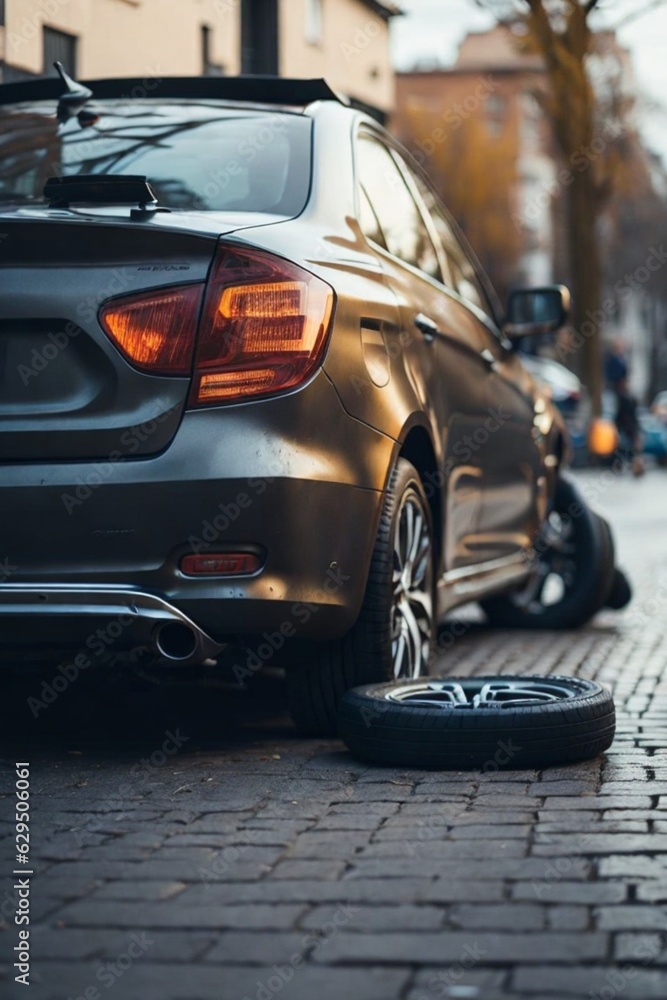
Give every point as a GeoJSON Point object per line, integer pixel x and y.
{"type": "Point", "coordinates": [325, 845]}
{"type": "Point", "coordinates": [650, 948]}
{"type": "Point", "coordinates": [652, 892]}
{"type": "Point", "coordinates": [599, 843]}
{"type": "Point", "coordinates": [631, 918]}
{"type": "Point", "coordinates": [145, 891]}
{"type": "Point", "coordinates": [348, 822]}
{"type": "Point", "coordinates": [171, 982]}
{"type": "Point", "coordinates": [251, 846]}
{"type": "Point", "coordinates": [308, 869]}
{"type": "Point", "coordinates": [633, 865]}
{"type": "Point", "coordinates": [376, 919]}
{"type": "Point", "coordinates": [643, 984]}
{"type": "Point", "coordinates": [256, 916]}
{"type": "Point", "coordinates": [77, 944]}
{"type": "Point", "coordinates": [568, 918]}
{"type": "Point", "coordinates": [395, 891]}
{"type": "Point", "coordinates": [520, 917]}
{"type": "Point", "coordinates": [447, 890]}
{"type": "Point", "coordinates": [481, 850]}
{"type": "Point", "coordinates": [500, 868]}
{"type": "Point", "coordinates": [446, 948]}
{"type": "Point", "coordinates": [586, 893]}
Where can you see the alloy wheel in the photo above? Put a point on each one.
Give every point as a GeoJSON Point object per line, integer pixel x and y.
{"type": "Point", "coordinates": [412, 590]}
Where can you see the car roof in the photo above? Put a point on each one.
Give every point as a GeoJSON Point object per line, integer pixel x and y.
{"type": "Point", "coordinates": [252, 90]}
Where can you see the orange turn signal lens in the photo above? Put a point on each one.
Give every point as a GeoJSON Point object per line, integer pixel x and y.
{"type": "Point", "coordinates": [264, 329]}
{"type": "Point", "coordinates": [221, 564]}
{"type": "Point", "coordinates": [156, 332]}
{"type": "Point", "coordinates": [229, 384]}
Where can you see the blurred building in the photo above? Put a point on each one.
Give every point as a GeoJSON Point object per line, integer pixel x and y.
{"type": "Point", "coordinates": [484, 113]}
{"type": "Point", "coordinates": [345, 40]}
{"type": "Point", "coordinates": [480, 130]}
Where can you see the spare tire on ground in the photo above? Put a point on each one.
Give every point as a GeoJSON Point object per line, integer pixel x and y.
{"type": "Point", "coordinates": [482, 723]}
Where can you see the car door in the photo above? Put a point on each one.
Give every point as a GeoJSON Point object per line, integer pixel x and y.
{"type": "Point", "coordinates": [514, 487]}
{"type": "Point", "coordinates": [442, 344]}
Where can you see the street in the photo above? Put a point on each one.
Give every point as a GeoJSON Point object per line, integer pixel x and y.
{"type": "Point", "coordinates": [187, 846]}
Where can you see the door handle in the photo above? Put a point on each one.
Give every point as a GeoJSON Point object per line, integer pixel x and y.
{"type": "Point", "coordinates": [489, 359]}
{"type": "Point", "coordinates": [426, 326]}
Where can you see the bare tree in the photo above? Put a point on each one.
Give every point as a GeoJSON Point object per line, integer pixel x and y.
{"type": "Point", "coordinates": [560, 30]}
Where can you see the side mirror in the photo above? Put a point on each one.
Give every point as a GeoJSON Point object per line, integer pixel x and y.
{"type": "Point", "coordinates": [535, 311]}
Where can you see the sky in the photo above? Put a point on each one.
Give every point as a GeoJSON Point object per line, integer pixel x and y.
{"type": "Point", "coordinates": [432, 29]}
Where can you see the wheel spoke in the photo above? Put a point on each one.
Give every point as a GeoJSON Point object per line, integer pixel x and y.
{"type": "Point", "coordinates": [411, 584]}
{"type": "Point", "coordinates": [422, 605]}
{"type": "Point", "coordinates": [400, 647]}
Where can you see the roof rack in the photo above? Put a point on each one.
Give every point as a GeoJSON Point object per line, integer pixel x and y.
{"type": "Point", "coordinates": [254, 89]}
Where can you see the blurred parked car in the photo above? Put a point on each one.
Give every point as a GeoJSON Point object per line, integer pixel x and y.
{"type": "Point", "coordinates": [659, 407]}
{"type": "Point", "coordinates": [654, 432]}
{"type": "Point", "coordinates": [567, 392]}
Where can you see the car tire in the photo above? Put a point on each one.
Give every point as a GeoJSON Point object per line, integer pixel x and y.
{"type": "Point", "coordinates": [575, 548]}
{"type": "Point", "coordinates": [620, 593]}
{"type": "Point", "coordinates": [321, 673]}
{"type": "Point", "coordinates": [522, 722]}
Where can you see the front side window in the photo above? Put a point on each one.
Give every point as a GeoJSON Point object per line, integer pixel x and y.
{"type": "Point", "coordinates": [404, 230]}
{"type": "Point", "coordinates": [463, 276]}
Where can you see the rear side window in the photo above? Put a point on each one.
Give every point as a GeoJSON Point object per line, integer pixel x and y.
{"type": "Point", "coordinates": [463, 275]}
{"type": "Point", "coordinates": [403, 228]}
{"type": "Point", "coordinates": [201, 156]}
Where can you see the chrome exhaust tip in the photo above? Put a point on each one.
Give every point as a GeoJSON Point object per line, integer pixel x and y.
{"type": "Point", "coordinates": [177, 642]}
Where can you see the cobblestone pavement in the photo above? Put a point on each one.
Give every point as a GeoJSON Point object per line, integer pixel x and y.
{"type": "Point", "coordinates": [186, 846]}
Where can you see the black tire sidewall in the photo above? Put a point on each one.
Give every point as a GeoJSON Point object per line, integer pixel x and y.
{"type": "Point", "coordinates": [398, 734]}
{"type": "Point", "coordinates": [593, 565]}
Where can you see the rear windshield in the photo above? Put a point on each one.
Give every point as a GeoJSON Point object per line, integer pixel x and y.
{"type": "Point", "coordinates": [200, 156]}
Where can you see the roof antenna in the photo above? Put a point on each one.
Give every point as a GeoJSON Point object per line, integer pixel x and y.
{"type": "Point", "coordinates": [74, 98]}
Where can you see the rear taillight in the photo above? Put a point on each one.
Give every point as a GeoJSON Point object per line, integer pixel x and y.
{"type": "Point", "coordinates": [155, 331]}
{"type": "Point", "coordinates": [264, 328]}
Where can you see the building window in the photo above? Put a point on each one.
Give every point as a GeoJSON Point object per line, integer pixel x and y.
{"type": "Point", "coordinates": [2, 12]}
{"type": "Point", "coordinates": [58, 46]}
{"type": "Point", "coordinates": [314, 22]}
{"type": "Point", "coordinates": [495, 114]}
{"type": "Point", "coordinates": [209, 67]}
{"type": "Point", "coordinates": [259, 37]}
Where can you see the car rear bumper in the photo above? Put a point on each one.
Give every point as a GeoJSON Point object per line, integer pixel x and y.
{"type": "Point", "coordinates": [302, 493]}
{"type": "Point", "coordinates": [99, 617]}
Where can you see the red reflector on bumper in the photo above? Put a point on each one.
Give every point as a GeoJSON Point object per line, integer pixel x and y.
{"type": "Point", "coordinates": [223, 564]}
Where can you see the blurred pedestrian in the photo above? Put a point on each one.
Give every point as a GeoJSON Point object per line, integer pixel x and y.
{"type": "Point", "coordinates": [629, 430]}
{"type": "Point", "coordinates": [616, 365]}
